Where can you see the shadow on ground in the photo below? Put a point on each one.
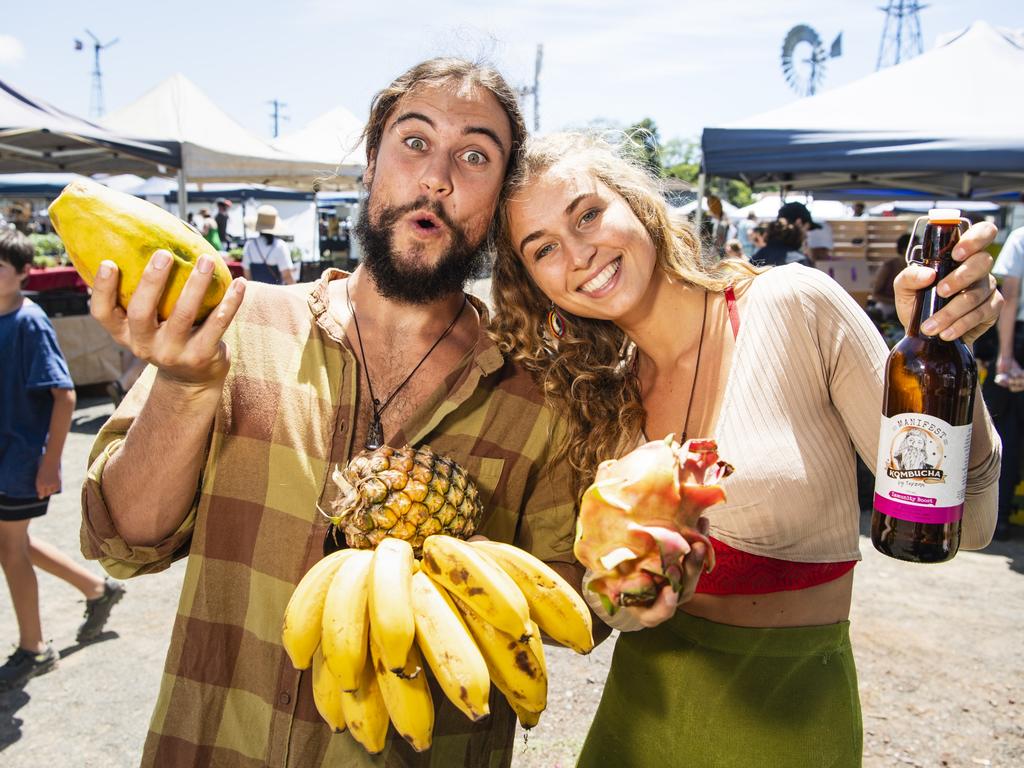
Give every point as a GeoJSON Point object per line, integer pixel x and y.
{"type": "Point", "coordinates": [10, 724]}
{"type": "Point", "coordinates": [12, 701]}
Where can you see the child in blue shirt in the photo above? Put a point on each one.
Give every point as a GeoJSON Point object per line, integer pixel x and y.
{"type": "Point", "coordinates": [37, 399]}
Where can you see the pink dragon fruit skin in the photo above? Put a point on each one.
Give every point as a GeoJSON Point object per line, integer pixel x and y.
{"type": "Point", "coordinates": [638, 519]}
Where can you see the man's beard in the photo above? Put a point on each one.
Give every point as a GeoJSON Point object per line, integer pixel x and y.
{"type": "Point", "coordinates": [394, 276]}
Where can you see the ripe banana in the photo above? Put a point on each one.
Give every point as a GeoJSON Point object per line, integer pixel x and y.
{"type": "Point", "coordinates": [392, 625]}
{"type": "Point", "coordinates": [407, 697]}
{"type": "Point", "coordinates": [449, 648]}
{"type": "Point", "coordinates": [516, 667]}
{"type": "Point", "coordinates": [527, 719]}
{"type": "Point", "coordinates": [345, 619]}
{"type": "Point", "coordinates": [327, 693]}
{"type": "Point", "coordinates": [304, 615]}
{"type": "Point", "coordinates": [487, 589]}
{"type": "Point", "coordinates": [554, 605]}
{"type": "Point", "coordinates": [365, 711]}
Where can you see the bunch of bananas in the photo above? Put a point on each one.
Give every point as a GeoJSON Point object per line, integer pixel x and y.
{"type": "Point", "coordinates": [474, 611]}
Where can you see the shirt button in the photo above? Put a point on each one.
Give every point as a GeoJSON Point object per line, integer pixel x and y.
{"type": "Point", "coordinates": [285, 697]}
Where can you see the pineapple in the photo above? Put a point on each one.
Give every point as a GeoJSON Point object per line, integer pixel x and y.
{"type": "Point", "coordinates": [404, 493]}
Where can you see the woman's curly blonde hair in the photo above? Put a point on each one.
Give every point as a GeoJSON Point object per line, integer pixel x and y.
{"type": "Point", "coordinates": [588, 375]}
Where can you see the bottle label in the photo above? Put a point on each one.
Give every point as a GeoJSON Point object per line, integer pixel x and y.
{"type": "Point", "coordinates": [921, 474]}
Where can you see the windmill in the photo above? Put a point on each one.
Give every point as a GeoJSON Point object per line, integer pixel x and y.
{"type": "Point", "coordinates": [804, 58]}
{"type": "Point", "coordinates": [96, 95]}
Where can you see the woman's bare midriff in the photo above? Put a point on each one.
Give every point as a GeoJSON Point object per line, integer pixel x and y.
{"type": "Point", "coordinates": [826, 603]}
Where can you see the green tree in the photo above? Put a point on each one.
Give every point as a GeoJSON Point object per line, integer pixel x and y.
{"type": "Point", "coordinates": [681, 158]}
{"type": "Point", "coordinates": [645, 145]}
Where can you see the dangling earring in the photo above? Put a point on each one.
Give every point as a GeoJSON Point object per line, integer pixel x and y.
{"type": "Point", "coordinates": [556, 323]}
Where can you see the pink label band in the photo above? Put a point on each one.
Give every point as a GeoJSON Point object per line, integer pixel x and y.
{"type": "Point", "coordinates": [907, 506]}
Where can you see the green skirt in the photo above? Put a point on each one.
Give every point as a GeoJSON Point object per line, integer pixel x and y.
{"type": "Point", "coordinates": [692, 693]}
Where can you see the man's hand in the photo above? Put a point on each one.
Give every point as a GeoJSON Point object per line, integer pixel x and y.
{"type": "Point", "coordinates": [975, 303]}
{"type": "Point", "coordinates": [193, 356]}
{"type": "Point", "coordinates": [1009, 374]}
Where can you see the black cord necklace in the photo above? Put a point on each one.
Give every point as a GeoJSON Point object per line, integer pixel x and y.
{"type": "Point", "coordinates": [696, 370]}
{"type": "Point", "coordinates": [375, 432]}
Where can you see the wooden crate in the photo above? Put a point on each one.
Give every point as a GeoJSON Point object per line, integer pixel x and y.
{"type": "Point", "coordinates": [849, 231]}
{"type": "Point", "coordinates": [883, 232]}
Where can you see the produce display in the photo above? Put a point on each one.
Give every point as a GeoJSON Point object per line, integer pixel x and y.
{"type": "Point", "coordinates": [638, 519]}
{"type": "Point", "coordinates": [96, 223]}
{"type": "Point", "coordinates": [410, 596]}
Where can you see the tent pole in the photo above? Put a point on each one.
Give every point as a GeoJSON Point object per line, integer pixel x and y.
{"type": "Point", "coordinates": [699, 217]}
{"type": "Point", "coordinates": [182, 194]}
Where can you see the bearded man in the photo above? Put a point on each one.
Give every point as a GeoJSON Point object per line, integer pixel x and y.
{"type": "Point", "coordinates": [224, 452]}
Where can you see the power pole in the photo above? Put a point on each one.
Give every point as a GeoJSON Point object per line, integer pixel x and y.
{"type": "Point", "coordinates": [277, 115]}
{"type": "Point", "coordinates": [901, 35]}
{"type": "Point", "coordinates": [534, 90]}
{"type": "Point", "coordinates": [96, 94]}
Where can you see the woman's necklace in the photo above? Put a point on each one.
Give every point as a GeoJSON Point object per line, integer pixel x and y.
{"type": "Point", "coordinates": [375, 432]}
{"type": "Point", "coordinates": [696, 370]}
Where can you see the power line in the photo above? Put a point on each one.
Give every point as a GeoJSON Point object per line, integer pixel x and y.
{"type": "Point", "coordinates": [534, 90]}
{"type": "Point", "coordinates": [277, 115]}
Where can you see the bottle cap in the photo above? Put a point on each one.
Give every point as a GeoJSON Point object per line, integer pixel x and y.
{"type": "Point", "coordinates": [944, 214]}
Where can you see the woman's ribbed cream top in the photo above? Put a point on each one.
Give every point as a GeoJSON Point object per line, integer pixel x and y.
{"type": "Point", "coordinates": [804, 392]}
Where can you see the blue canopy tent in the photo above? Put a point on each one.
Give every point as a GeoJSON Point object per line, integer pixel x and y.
{"type": "Point", "coordinates": [946, 124]}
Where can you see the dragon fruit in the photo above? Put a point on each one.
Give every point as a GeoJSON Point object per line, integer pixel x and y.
{"type": "Point", "coordinates": [638, 519]}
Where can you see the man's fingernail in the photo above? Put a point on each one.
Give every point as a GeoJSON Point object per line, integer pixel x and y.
{"type": "Point", "coordinates": [161, 259]}
{"type": "Point", "coordinates": [929, 327]}
{"type": "Point", "coordinates": [106, 269]}
{"type": "Point", "coordinates": [205, 265]}
{"type": "Point", "coordinates": [944, 290]}
{"type": "Point", "coordinates": [947, 335]}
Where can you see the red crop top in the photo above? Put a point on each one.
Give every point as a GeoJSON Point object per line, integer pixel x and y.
{"type": "Point", "coordinates": [741, 573]}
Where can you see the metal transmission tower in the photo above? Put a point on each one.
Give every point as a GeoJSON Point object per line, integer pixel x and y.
{"type": "Point", "coordinates": [901, 35]}
{"type": "Point", "coordinates": [96, 95]}
{"type": "Point", "coordinates": [277, 115]}
{"type": "Point", "coordinates": [534, 90]}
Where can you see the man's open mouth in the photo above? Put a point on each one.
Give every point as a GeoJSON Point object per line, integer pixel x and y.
{"type": "Point", "coordinates": [426, 222]}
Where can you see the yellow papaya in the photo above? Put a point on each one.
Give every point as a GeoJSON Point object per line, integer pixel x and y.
{"type": "Point", "coordinates": [96, 223]}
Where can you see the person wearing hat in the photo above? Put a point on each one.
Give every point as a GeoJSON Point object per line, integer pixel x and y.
{"type": "Point", "coordinates": [265, 258]}
{"type": "Point", "coordinates": [208, 228]}
{"type": "Point", "coordinates": [818, 237]}
{"type": "Point", "coordinates": [222, 221]}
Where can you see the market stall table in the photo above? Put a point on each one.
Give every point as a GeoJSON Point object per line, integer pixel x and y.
{"type": "Point", "coordinates": [54, 279]}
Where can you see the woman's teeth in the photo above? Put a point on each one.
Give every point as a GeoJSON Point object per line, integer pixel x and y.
{"type": "Point", "coordinates": [601, 279]}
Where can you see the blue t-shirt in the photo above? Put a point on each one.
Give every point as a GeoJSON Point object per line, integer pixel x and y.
{"type": "Point", "coordinates": [32, 363]}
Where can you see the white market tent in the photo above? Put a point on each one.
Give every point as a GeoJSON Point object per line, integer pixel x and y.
{"type": "Point", "coordinates": [767, 207]}
{"type": "Point", "coordinates": [730, 210]}
{"type": "Point", "coordinates": [36, 136]}
{"type": "Point", "coordinates": [336, 135]}
{"type": "Point", "coordinates": [946, 124]}
{"type": "Point", "coordinates": [212, 146]}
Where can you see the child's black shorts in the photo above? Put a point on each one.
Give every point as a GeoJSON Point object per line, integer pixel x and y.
{"type": "Point", "coordinates": [22, 509]}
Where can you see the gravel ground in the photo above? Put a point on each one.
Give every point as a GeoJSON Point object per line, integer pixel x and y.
{"type": "Point", "coordinates": [939, 651]}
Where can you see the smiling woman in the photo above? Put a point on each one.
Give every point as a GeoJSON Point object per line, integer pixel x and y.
{"type": "Point", "coordinates": [784, 371]}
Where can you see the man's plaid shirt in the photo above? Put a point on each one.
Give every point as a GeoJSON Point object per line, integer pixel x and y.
{"type": "Point", "coordinates": [230, 696]}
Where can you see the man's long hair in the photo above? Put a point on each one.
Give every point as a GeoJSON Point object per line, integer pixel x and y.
{"type": "Point", "coordinates": [444, 71]}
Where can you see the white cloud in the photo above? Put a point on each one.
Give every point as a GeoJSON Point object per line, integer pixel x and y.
{"type": "Point", "coordinates": [11, 50]}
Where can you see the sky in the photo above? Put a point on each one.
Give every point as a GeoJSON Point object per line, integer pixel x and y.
{"type": "Point", "coordinates": [682, 63]}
